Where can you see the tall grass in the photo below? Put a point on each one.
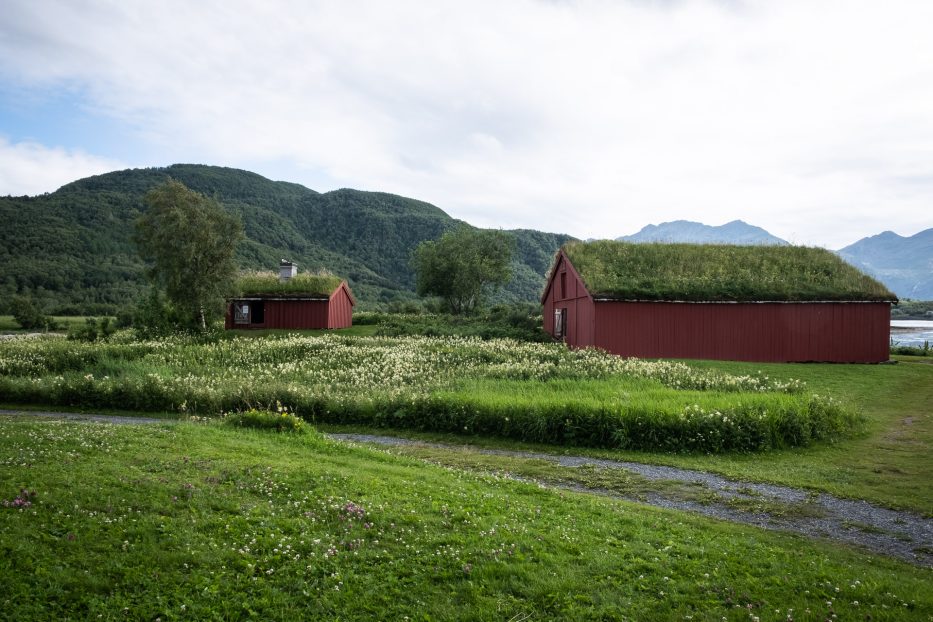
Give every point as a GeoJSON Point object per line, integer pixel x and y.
{"type": "Point", "coordinates": [719, 272]}
{"type": "Point", "coordinates": [533, 392]}
{"type": "Point", "coordinates": [320, 284]}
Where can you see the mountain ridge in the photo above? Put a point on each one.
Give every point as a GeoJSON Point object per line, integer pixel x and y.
{"type": "Point", "coordinates": [904, 263]}
{"type": "Point", "coordinates": [689, 231]}
{"type": "Point", "coordinates": [73, 247]}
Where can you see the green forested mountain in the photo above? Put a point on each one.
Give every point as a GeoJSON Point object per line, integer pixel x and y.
{"type": "Point", "coordinates": [73, 247]}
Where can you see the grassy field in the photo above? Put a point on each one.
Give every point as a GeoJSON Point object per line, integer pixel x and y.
{"type": "Point", "coordinates": [525, 391]}
{"type": "Point", "coordinates": [206, 521]}
{"type": "Point", "coordinates": [889, 463]}
{"type": "Point", "coordinates": [9, 325]}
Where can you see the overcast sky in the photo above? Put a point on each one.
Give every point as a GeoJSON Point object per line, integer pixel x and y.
{"type": "Point", "coordinates": [812, 119]}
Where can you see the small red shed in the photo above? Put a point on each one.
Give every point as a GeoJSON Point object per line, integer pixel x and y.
{"type": "Point", "coordinates": [744, 303]}
{"type": "Point", "coordinates": [293, 301]}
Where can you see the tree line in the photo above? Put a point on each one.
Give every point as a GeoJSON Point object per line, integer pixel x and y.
{"type": "Point", "coordinates": [188, 243]}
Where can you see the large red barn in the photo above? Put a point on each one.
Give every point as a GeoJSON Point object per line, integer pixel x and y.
{"type": "Point", "coordinates": [291, 301]}
{"type": "Point", "coordinates": [744, 303]}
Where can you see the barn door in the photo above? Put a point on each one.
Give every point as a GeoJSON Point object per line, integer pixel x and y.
{"type": "Point", "coordinates": [560, 323]}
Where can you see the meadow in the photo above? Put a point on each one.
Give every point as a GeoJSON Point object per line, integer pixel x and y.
{"type": "Point", "coordinates": [209, 521]}
{"type": "Point", "coordinates": [530, 392]}
{"type": "Point", "coordinates": [208, 518]}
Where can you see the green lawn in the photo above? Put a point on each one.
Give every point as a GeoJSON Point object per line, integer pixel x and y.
{"type": "Point", "coordinates": [9, 325]}
{"type": "Point", "coordinates": [516, 391]}
{"type": "Point", "coordinates": [212, 522]}
{"type": "Point", "coordinates": [888, 464]}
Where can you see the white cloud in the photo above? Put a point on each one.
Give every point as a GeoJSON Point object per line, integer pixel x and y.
{"type": "Point", "coordinates": [589, 117]}
{"type": "Point", "coordinates": [29, 168]}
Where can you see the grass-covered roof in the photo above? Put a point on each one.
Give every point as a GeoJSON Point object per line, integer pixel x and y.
{"type": "Point", "coordinates": [719, 272]}
{"type": "Point", "coordinates": [268, 283]}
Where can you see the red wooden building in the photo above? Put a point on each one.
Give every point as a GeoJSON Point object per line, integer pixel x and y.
{"type": "Point", "coordinates": [782, 328]}
{"type": "Point", "coordinates": [325, 302]}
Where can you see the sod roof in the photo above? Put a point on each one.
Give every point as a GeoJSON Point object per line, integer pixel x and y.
{"type": "Point", "coordinates": [300, 285]}
{"type": "Point", "coordinates": [719, 272]}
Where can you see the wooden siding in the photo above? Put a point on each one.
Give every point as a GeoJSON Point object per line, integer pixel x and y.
{"type": "Point", "coordinates": [575, 299]}
{"type": "Point", "coordinates": [765, 332]}
{"type": "Point", "coordinates": [296, 314]}
{"type": "Point", "coordinates": [340, 309]}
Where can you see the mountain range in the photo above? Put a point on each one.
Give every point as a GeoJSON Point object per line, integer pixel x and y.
{"type": "Point", "coordinates": [72, 249]}
{"type": "Point", "coordinates": [686, 231]}
{"type": "Point", "coordinates": [904, 264]}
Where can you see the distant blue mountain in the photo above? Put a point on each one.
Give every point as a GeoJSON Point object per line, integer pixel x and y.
{"type": "Point", "coordinates": [685, 231]}
{"type": "Point", "coordinates": [904, 264]}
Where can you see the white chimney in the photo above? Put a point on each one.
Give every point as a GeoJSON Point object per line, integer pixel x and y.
{"type": "Point", "coordinates": [287, 270]}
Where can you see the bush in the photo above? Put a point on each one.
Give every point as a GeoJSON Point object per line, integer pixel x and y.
{"type": "Point", "coordinates": [501, 322]}
{"type": "Point", "coordinates": [29, 316]}
{"type": "Point", "coordinates": [152, 316]}
{"type": "Point", "coordinates": [92, 330]}
{"type": "Point", "coordinates": [923, 350]}
{"type": "Point", "coordinates": [280, 420]}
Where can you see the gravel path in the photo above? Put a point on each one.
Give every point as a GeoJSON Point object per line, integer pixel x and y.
{"type": "Point", "coordinates": [119, 420]}
{"type": "Point", "coordinates": [900, 534]}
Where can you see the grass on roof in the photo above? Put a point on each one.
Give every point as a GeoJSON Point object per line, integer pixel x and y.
{"type": "Point", "coordinates": [252, 283]}
{"type": "Point", "coordinates": [707, 272]}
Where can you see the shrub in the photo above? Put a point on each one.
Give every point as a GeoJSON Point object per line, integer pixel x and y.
{"type": "Point", "coordinates": [92, 329]}
{"type": "Point", "coordinates": [29, 316]}
{"type": "Point", "coordinates": [501, 322]}
{"type": "Point", "coordinates": [923, 350]}
{"type": "Point", "coordinates": [280, 420]}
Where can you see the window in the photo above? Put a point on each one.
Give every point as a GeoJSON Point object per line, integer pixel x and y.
{"type": "Point", "coordinates": [241, 313]}
{"type": "Point", "coordinates": [560, 323]}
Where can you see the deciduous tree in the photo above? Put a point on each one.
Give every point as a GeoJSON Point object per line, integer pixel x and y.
{"type": "Point", "coordinates": [189, 241]}
{"type": "Point", "coordinates": [463, 266]}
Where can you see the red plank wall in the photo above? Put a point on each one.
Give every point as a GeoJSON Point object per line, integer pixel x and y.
{"type": "Point", "coordinates": [340, 309]}
{"type": "Point", "coordinates": [577, 301]}
{"type": "Point", "coordinates": [778, 332]}
{"type": "Point", "coordinates": [296, 314]}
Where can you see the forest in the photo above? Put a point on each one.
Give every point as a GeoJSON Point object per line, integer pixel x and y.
{"type": "Point", "coordinates": [72, 250]}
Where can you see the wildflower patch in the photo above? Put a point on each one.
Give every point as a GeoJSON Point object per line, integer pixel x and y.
{"type": "Point", "coordinates": [528, 391]}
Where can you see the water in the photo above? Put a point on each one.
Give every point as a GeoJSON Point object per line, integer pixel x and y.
{"type": "Point", "coordinates": [911, 332]}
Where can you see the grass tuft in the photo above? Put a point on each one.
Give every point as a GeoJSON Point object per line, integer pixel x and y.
{"type": "Point", "coordinates": [279, 420]}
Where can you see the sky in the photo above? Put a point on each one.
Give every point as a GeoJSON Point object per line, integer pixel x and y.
{"type": "Point", "coordinates": [810, 118]}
